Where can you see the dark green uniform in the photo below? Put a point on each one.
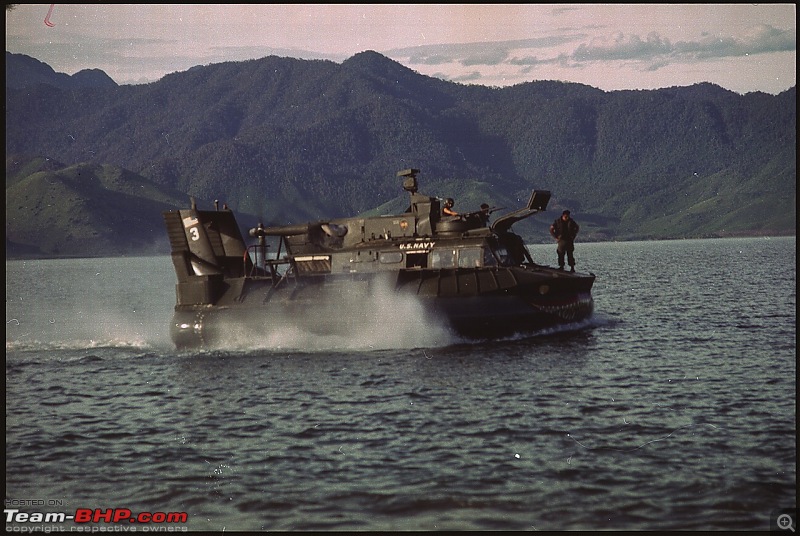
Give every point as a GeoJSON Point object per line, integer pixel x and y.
{"type": "Point", "coordinates": [565, 231]}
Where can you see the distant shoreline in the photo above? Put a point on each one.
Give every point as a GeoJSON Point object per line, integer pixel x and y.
{"type": "Point", "coordinates": [740, 234]}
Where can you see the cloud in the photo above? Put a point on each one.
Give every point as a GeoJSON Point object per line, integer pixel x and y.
{"type": "Point", "coordinates": [496, 45]}
{"type": "Point", "coordinates": [563, 10]}
{"type": "Point", "coordinates": [430, 59]}
{"type": "Point", "coordinates": [528, 61]}
{"type": "Point", "coordinates": [474, 76]}
{"type": "Point", "coordinates": [622, 47]}
{"type": "Point", "coordinates": [763, 39]}
{"type": "Point", "coordinates": [484, 53]}
{"type": "Point", "coordinates": [490, 56]}
{"type": "Point", "coordinates": [573, 49]}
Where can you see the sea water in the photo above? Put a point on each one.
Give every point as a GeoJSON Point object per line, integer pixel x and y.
{"type": "Point", "coordinates": [673, 408]}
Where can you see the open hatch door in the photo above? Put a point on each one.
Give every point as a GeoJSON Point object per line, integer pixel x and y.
{"type": "Point", "coordinates": [537, 203]}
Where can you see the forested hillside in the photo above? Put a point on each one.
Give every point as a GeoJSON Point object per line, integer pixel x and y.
{"type": "Point", "coordinates": [288, 140]}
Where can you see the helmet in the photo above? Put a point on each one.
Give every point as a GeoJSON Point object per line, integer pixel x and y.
{"type": "Point", "coordinates": [449, 202]}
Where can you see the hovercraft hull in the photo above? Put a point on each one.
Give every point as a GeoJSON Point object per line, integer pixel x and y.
{"type": "Point", "coordinates": [348, 306]}
{"type": "Point", "coordinates": [358, 275]}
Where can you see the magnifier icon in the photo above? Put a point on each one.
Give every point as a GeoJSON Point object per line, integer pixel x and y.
{"type": "Point", "coordinates": [785, 522]}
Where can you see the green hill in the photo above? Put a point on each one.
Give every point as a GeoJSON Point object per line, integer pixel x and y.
{"type": "Point", "coordinates": [84, 210]}
{"type": "Point", "coordinates": [290, 140]}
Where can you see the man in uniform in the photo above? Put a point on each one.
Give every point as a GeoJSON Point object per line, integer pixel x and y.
{"type": "Point", "coordinates": [484, 213]}
{"type": "Point", "coordinates": [565, 229]}
{"type": "Point", "coordinates": [448, 207]}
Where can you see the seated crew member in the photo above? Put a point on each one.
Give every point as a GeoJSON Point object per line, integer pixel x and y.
{"type": "Point", "coordinates": [447, 210]}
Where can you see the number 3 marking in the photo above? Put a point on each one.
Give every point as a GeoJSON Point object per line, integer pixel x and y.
{"type": "Point", "coordinates": [195, 234]}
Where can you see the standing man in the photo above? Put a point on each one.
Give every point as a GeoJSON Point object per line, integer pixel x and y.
{"type": "Point", "coordinates": [484, 213]}
{"type": "Point", "coordinates": [565, 229]}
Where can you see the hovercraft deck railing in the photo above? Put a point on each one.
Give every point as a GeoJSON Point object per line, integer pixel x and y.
{"type": "Point", "coordinates": [264, 268]}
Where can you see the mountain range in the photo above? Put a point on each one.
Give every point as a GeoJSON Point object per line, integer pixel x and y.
{"type": "Point", "coordinates": [91, 164]}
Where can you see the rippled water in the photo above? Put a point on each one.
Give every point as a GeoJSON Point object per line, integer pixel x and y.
{"type": "Point", "coordinates": [673, 408]}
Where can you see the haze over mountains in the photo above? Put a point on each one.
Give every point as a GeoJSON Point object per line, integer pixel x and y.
{"type": "Point", "coordinates": [90, 164]}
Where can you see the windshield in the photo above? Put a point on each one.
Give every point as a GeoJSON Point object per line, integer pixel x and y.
{"type": "Point", "coordinates": [462, 257]}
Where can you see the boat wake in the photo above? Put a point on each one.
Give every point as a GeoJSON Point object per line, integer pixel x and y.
{"type": "Point", "coordinates": [381, 320]}
{"type": "Point", "coordinates": [391, 322]}
{"type": "Point", "coordinates": [81, 344]}
{"type": "Point", "coordinates": [423, 332]}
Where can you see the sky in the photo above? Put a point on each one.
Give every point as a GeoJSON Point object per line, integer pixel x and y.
{"type": "Point", "coordinates": [741, 47]}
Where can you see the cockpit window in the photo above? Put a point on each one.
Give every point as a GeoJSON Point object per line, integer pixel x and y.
{"type": "Point", "coordinates": [443, 258]}
{"type": "Point", "coordinates": [391, 257]}
{"type": "Point", "coordinates": [502, 254]}
{"type": "Point", "coordinates": [470, 257]}
{"type": "Point", "coordinates": [488, 258]}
